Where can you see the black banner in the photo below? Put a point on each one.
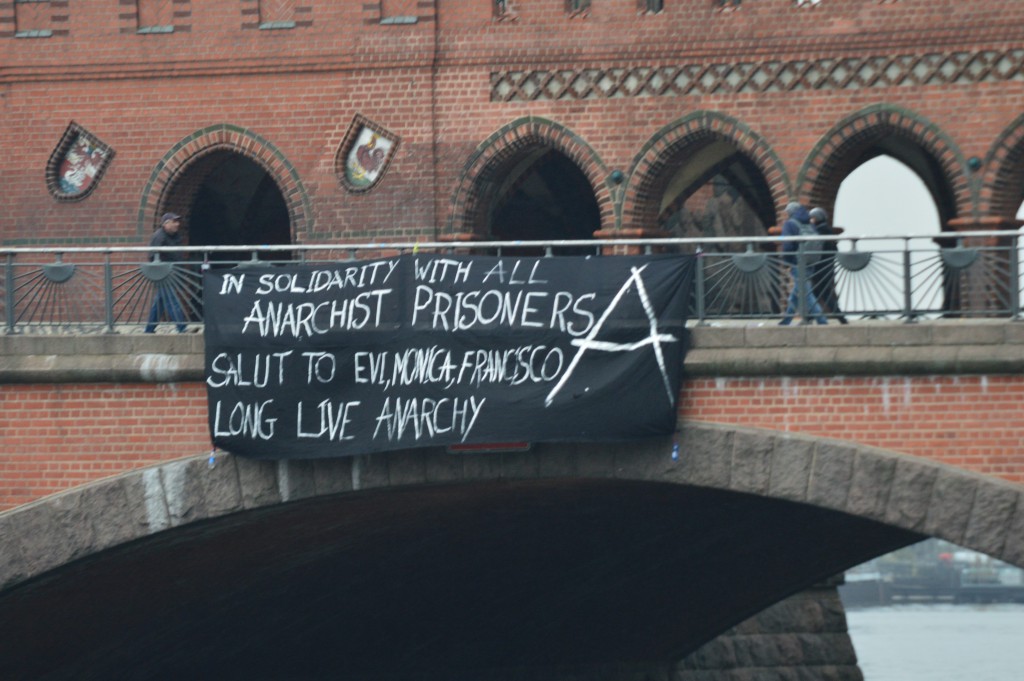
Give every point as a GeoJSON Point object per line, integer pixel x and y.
{"type": "Point", "coordinates": [337, 359]}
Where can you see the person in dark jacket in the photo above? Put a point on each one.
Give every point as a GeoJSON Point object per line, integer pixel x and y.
{"type": "Point", "coordinates": [798, 223]}
{"type": "Point", "coordinates": [823, 273]}
{"type": "Point", "coordinates": [165, 302]}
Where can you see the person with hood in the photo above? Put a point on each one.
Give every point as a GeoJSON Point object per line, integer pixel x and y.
{"type": "Point", "coordinates": [796, 254]}
{"type": "Point", "coordinates": [823, 273]}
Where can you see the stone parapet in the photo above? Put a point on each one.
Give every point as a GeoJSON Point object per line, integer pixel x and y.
{"type": "Point", "coordinates": [128, 358]}
{"type": "Point", "coordinates": [877, 348]}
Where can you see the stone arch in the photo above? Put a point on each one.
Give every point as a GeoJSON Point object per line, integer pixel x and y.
{"type": "Point", "coordinates": [906, 136]}
{"type": "Point", "coordinates": [901, 491]}
{"type": "Point", "coordinates": [480, 180]}
{"type": "Point", "coordinates": [1002, 181]}
{"type": "Point", "coordinates": [157, 198]}
{"type": "Point", "coordinates": [653, 165]}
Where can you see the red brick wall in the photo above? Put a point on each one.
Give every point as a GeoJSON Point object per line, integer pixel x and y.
{"type": "Point", "coordinates": [974, 422]}
{"type": "Point", "coordinates": [53, 438]}
{"type": "Point", "coordinates": [430, 83]}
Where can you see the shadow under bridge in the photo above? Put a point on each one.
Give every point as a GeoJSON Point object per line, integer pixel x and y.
{"type": "Point", "coordinates": [440, 580]}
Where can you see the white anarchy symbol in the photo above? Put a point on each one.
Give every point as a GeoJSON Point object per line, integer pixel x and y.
{"type": "Point", "coordinates": [654, 338]}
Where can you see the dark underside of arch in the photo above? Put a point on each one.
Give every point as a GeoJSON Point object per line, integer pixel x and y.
{"type": "Point", "coordinates": [236, 202]}
{"type": "Point", "coordinates": [441, 581]}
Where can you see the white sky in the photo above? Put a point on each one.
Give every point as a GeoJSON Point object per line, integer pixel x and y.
{"type": "Point", "coordinates": [883, 196]}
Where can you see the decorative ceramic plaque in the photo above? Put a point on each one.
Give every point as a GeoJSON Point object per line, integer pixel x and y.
{"type": "Point", "coordinates": [77, 164]}
{"type": "Point", "coordinates": [364, 155]}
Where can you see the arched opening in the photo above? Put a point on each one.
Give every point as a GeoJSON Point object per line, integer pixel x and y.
{"type": "Point", "coordinates": [706, 174]}
{"type": "Point", "coordinates": [886, 197]}
{"type": "Point", "coordinates": [541, 194]}
{"type": "Point", "coordinates": [712, 189]}
{"type": "Point", "coordinates": [636, 540]}
{"type": "Point", "coordinates": [532, 179]}
{"type": "Point", "coordinates": [707, 184]}
{"type": "Point", "coordinates": [920, 192]}
{"type": "Point", "coordinates": [229, 199]}
{"type": "Point", "coordinates": [899, 152]}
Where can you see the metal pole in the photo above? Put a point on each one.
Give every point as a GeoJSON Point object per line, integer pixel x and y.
{"type": "Point", "coordinates": [9, 292]}
{"type": "Point", "coordinates": [1015, 279]}
{"type": "Point", "coordinates": [699, 288]}
{"type": "Point", "coordinates": [800, 285]}
{"type": "Point", "coordinates": [908, 310]}
{"type": "Point", "coordinates": [108, 292]}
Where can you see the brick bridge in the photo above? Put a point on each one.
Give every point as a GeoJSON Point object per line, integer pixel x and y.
{"type": "Point", "coordinates": [802, 452]}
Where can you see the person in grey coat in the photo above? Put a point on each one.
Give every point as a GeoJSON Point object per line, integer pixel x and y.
{"type": "Point", "coordinates": [823, 272]}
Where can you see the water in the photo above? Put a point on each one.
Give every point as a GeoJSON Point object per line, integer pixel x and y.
{"type": "Point", "coordinates": [939, 642]}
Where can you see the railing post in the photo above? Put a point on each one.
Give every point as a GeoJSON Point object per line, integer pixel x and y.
{"type": "Point", "coordinates": [699, 291]}
{"type": "Point", "coordinates": [9, 293]}
{"type": "Point", "coordinates": [802, 285]}
{"type": "Point", "coordinates": [908, 309]}
{"type": "Point", "coordinates": [1015, 277]}
{"type": "Point", "coordinates": [108, 292]}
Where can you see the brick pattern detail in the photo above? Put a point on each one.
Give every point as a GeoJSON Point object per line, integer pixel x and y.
{"type": "Point", "coordinates": [32, 17]}
{"type": "Point", "coordinates": [155, 13]}
{"type": "Point", "coordinates": [283, 13]}
{"type": "Point", "coordinates": [277, 10]}
{"type": "Point", "coordinates": [399, 8]}
{"type": "Point", "coordinates": [971, 422]}
{"type": "Point", "coordinates": [8, 21]}
{"type": "Point", "coordinates": [40, 19]}
{"type": "Point", "coordinates": [137, 16]}
{"type": "Point", "coordinates": [383, 10]}
{"type": "Point", "coordinates": [829, 73]}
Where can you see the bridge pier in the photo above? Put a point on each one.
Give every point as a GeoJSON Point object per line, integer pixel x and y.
{"type": "Point", "coordinates": [802, 637]}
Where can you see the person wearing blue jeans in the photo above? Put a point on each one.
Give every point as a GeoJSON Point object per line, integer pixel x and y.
{"type": "Point", "coordinates": [801, 286]}
{"type": "Point", "coordinates": [798, 223]}
{"type": "Point", "coordinates": [165, 302]}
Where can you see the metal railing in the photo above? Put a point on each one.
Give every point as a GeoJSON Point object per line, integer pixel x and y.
{"type": "Point", "coordinates": [909, 278]}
